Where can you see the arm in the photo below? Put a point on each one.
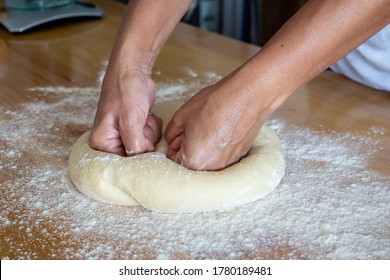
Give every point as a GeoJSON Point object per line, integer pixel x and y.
{"type": "Point", "coordinates": [322, 32]}
{"type": "Point", "coordinates": [123, 124]}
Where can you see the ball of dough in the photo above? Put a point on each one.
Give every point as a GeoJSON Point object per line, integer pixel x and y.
{"type": "Point", "coordinates": [159, 184]}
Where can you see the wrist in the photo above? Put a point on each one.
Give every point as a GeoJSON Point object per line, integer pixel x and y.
{"type": "Point", "coordinates": [132, 57]}
{"type": "Point", "coordinates": [265, 84]}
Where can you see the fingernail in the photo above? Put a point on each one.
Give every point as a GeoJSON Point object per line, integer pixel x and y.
{"type": "Point", "coordinates": [130, 152]}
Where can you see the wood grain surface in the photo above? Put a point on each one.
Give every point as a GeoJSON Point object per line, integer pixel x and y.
{"type": "Point", "coordinates": [72, 54]}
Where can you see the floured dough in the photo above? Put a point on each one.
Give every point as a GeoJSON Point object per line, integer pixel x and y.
{"type": "Point", "coordinates": [159, 184]}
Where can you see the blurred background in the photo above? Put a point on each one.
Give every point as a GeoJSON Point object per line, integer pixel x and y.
{"type": "Point", "coordinates": [252, 21]}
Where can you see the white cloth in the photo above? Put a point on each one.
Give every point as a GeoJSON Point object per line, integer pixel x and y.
{"type": "Point", "coordinates": [369, 64]}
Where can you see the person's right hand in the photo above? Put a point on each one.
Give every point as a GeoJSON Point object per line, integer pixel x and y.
{"type": "Point", "coordinates": [123, 123]}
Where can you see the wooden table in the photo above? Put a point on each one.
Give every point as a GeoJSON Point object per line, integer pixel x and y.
{"type": "Point", "coordinates": [332, 203]}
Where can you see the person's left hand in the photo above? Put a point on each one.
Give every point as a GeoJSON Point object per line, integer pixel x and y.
{"type": "Point", "coordinates": [123, 123]}
{"type": "Point", "coordinates": [215, 128]}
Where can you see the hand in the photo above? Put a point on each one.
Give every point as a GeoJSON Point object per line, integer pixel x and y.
{"type": "Point", "coordinates": [215, 128]}
{"type": "Point", "coordinates": [123, 122]}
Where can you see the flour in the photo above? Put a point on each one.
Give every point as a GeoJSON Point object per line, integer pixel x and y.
{"type": "Point", "coordinates": [331, 204]}
{"type": "Point", "coordinates": [191, 72]}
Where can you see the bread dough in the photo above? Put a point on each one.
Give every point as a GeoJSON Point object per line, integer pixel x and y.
{"type": "Point", "coordinates": [159, 184]}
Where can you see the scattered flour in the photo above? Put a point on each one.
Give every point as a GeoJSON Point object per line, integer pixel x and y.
{"type": "Point", "coordinates": [331, 204]}
{"type": "Point", "coordinates": [191, 72]}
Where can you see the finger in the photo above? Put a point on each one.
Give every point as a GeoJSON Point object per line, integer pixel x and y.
{"type": "Point", "coordinates": [145, 142]}
{"type": "Point", "coordinates": [193, 158]}
{"type": "Point", "coordinates": [133, 138]}
{"type": "Point", "coordinates": [153, 127]}
{"type": "Point", "coordinates": [177, 153]}
{"type": "Point", "coordinates": [152, 130]}
{"type": "Point", "coordinates": [106, 139]}
{"type": "Point", "coordinates": [174, 148]}
{"type": "Point", "coordinates": [173, 129]}
{"type": "Point", "coordinates": [176, 156]}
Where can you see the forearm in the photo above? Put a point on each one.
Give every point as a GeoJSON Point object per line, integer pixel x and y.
{"type": "Point", "coordinates": [316, 37]}
{"type": "Point", "coordinates": [146, 26]}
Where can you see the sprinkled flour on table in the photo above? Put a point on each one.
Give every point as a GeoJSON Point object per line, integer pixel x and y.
{"type": "Point", "coordinates": [330, 205]}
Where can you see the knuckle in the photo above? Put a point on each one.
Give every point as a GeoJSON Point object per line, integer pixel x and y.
{"type": "Point", "coordinates": [194, 162]}
{"type": "Point", "coordinates": [175, 120]}
{"type": "Point", "coordinates": [95, 141]}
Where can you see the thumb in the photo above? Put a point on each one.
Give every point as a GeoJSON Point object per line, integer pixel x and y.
{"type": "Point", "coordinates": [174, 149]}
{"type": "Point", "coordinates": [152, 128]}
{"type": "Point", "coordinates": [133, 138]}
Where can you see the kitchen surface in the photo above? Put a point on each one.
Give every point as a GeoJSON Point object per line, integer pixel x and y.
{"type": "Point", "coordinates": [332, 203]}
